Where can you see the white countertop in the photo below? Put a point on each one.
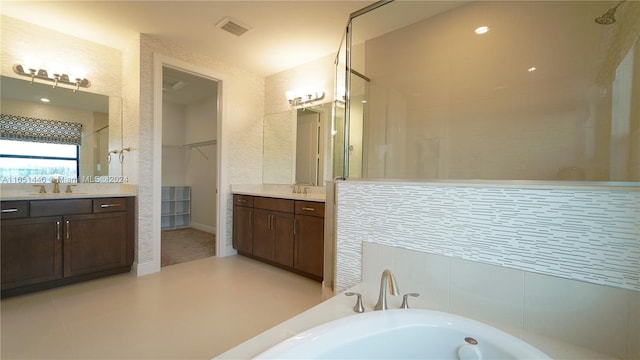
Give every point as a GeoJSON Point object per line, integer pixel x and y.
{"type": "Point", "coordinates": [314, 193]}
{"type": "Point", "coordinates": [16, 192]}
{"type": "Point", "coordinates": [61, 196]}
{"type": "Point", "coordinates": [341, 306]}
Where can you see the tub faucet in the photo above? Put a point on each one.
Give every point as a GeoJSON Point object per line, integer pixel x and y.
{"type": "Point", "coordinates": [387, 280]}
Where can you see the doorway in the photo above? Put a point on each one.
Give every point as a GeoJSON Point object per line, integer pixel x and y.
{"type": "Point", "coordinates": [189, 166]}
{"type": "Point", "coordinates": [308, 147]}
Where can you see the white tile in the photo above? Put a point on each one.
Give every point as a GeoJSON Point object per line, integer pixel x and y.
{"type": "Point", "coordinates": [588, 315]}
{"type": "Point", "coordinates": [488, 293]}
{"type": "Point", "coordinates": [375, 259]}
{"type": "Point", "coordinates": [423, 273]}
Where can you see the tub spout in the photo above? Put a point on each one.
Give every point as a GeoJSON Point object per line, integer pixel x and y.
{"type": "Point", "coordinates": [387, 280]}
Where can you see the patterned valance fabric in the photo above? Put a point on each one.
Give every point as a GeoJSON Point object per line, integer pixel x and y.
{"type": "Point", "coordinates": [22, 128]}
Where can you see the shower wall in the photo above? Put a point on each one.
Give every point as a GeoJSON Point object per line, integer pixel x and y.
{"type": "Point", "coordinates": [546, 94]}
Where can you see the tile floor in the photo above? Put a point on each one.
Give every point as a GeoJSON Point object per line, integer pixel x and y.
{"type": "Point", "coordinates": [194, 310]}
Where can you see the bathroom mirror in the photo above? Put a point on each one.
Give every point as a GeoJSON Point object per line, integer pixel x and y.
{"type": "Point", "coordinates": [100, 116]}
{"type": "Point", "coordinates": [295, 143]}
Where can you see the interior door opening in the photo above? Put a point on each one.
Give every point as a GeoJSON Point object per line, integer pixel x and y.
{"type": "Point", "coordinates": [189, 166]}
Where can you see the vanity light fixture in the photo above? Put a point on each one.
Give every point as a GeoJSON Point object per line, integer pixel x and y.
{"type": "Point", "coordinates": [56, 79]}
{"type": "Point", "coordinates": [300, 100]}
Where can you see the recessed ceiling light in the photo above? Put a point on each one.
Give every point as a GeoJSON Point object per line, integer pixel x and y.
{"type": "Point", "coordinates": [482, 30]}
{"type": "Point", "coordinates": [45, 100]}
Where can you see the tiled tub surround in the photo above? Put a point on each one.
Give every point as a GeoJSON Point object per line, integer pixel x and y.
{"type": "Point", "coordinates": [341, 306]}
{"type": "Point", "coordinates": [504, 254]}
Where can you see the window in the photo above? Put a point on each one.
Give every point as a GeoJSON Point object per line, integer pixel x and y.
{"type": "Point", "coordinates": [27, 162]}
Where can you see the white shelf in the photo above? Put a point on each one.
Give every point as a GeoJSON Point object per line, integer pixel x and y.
{"type": "Point", "coordinates": [176, 207]}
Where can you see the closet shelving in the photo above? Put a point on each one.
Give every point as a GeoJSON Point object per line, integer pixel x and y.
{"type": "Point", "coordinates": [176, 207]}
{"type": "Point", "coordinates": [195, 145]}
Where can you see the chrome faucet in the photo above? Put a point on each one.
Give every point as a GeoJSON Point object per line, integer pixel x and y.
{"type": "Point", "coordinates": [56, 185]}
{"type": "Point", "coordinates": [387, 280]}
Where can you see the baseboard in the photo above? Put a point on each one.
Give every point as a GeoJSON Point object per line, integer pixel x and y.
{"type": "Point", "coordinates": [205, 228]}
{"type": "Point", "coordinates": [146, 268]}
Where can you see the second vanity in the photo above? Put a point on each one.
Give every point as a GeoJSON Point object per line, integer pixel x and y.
{"type": "Point", "coordinates": [49, 241]}
{"type": "Point", "coordinates": [282, 229]}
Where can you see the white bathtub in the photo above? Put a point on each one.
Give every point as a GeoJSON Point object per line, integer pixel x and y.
{"type": "Point", "coordinates": [403, 334]}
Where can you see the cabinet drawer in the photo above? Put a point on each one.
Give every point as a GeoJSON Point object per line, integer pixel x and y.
{"type": "Point", "coordinates": [283, 205]}
{"type": "Point", "coordinates": [59, 207]}
{"type": "Point", "coordinates": [311, 208]}
{"type": "Point", "coordinates": [15, 209]}
{"type": "Point", "coordinates": [243, 200]}
{"type": "Point", "coordinates": [104, 205]}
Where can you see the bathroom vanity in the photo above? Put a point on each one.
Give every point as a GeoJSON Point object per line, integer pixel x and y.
{"type": "Point", "coordinates": [285, 232]}
{"type": "Point", "coordinates": [51, 241]}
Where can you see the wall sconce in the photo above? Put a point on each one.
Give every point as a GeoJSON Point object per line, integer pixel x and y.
{"type": "Point", "coordinates": [56, 79]}
{"type": "Point", "coordinates": [300, 100]}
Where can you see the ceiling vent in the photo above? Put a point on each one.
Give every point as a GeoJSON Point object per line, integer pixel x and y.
{"type": "Point", "coordinates": [233, 26]}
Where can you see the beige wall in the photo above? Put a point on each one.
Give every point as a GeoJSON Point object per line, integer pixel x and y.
{"type": "Point", "coordinates": [464, 106]}
{"type": "Point", "coordinates": [317, 74]}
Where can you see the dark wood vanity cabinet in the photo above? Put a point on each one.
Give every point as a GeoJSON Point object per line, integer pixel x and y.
{"type": "Point", "coordinates": [309, 237]}
{"type": "Point", "coordinates": [48, 243]}
{"type": "Point", "coordinates": [243, 223]}
{"type": "Point", "coordinates": [31, 251]}
{"type": "Point", "coordinates": [283, 232]}
{"type": "Point", "coordinates": [273, 230]}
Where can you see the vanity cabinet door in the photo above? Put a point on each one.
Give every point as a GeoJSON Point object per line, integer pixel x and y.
{"type": "Point", "coordinates": [273, 236]}
{"type": "Point", "coordinates": [309, 238]}
{"type": "Point", "coordinates": [94, 242]}
{"type": "Point", "coordinates": [31, 251]}
{"type": "Point", "coordinates": [263, 240]}
{"type": "Point", "coordinates": [243, 229]}
{"type": "Point", "coordinates": [282, 228]}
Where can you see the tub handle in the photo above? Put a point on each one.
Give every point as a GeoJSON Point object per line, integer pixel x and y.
{"type": "Point", "coordinates": [358, 307]}
{"type": "Point", "coordinates": [405, 299]}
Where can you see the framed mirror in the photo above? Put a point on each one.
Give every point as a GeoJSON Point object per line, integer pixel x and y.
{"type": "Point", "coordinates": [295, 146]}
{"type": "Point", "coordinates": [29, 155]}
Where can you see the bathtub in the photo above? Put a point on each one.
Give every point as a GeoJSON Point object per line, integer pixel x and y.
{"type": "Point", "coordinates": [403, 334]}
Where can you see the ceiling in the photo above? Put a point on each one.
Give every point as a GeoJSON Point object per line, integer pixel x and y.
{"type": "Point", "coordinates": [282, 35]}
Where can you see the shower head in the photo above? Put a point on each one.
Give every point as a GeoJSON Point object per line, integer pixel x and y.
{"type": "Point", "coordinates": [608, 17]}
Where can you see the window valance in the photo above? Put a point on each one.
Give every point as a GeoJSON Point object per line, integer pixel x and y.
{"type": "Point", "coordinates": [22, 128]}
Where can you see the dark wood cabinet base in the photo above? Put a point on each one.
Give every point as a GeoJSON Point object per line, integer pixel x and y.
{"type": "Point", "coordinates": [54, 242]}
{"type": "Point", "coordinates": [290, 269]}
{"type": "Point", "coordinates": [60, 282]}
